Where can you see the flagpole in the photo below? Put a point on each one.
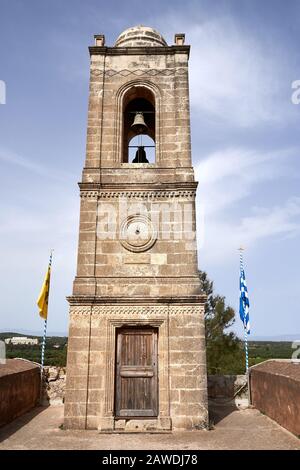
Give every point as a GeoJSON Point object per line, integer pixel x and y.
{"type": "Point", "coordinates": [241, 249]}
{"type": "Point", "coordinates": [44, 338]}
{"type": "Point", "coordinates": [43, 346]}
{"type": "Point", "coordinates": [246, 349]}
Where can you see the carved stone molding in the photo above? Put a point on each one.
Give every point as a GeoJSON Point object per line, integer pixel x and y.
{"type": "Point", "coordinates": [89, 194]}
{"type": "Point", "coordinates": [82, 310]}
{"type": "Point", "coordinates": [82, 303]}
{"type": "Point", "coordinates": [138, 311]}
{"type": "Point", "coordinates": [137, 194]}
{"type": "Point", "coordinates": [147, 194]}
{"type": "Point", "coordinates": [138, 72]}
{"type": "Point", "coordinates": [186, 309]}
{"type": "Point", "coordinates": [132, 310]}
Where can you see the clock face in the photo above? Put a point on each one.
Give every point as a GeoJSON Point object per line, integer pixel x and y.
{"type": "Point", "coordinates": [137, 233]}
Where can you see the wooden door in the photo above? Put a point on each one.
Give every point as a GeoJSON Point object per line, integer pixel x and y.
{"type": "Point", "coordinates": [136, 373]}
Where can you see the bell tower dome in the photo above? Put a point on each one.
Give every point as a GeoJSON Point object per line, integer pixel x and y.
{"type": "Point", "coordinates": [136, 353]}
{"type": "Point", "coordinates": [140, 36]}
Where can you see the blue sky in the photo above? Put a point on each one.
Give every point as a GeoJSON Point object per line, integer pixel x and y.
{"type": "Point", "coordinates": [245, 136]}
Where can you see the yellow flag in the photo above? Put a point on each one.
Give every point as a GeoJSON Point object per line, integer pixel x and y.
{"type": "Point", "coordinates": [44, 295]}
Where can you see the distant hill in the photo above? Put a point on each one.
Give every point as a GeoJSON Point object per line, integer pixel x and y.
{"type": "Point", "coordinates": [56, 349]}
{"type": "Point", "coordinates": [286, 337]}
{"type": "Point", "coordinates": [50, 337]}
{"type": "Point", "coordinates": [32, 334]}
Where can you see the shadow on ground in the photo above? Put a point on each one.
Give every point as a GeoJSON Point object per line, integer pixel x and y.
{"type": "Point", "coordinates": [11, 428]}
{"type": "Point", "coordinates": [234, 429]}
{"type": "Point", "coordinates": [219, 408]}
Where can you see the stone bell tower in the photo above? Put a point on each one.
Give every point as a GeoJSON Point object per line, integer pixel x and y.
{"type": "Point", "coordinates": [136, 353]}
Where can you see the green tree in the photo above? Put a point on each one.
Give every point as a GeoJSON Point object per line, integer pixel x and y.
{"type": "Point", "coordinates": [224, 349]}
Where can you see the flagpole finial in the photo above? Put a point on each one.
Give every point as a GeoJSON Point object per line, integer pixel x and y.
{"type": "Point", "coordinates": [51, 256]}
{"type": "Point", "coordinates": [241, 248]}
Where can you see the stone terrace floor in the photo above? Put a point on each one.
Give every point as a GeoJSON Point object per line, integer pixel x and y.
{"type": "Point", "coordinates": [233, 429]}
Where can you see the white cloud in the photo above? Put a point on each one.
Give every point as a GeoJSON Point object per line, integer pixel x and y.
{"type": "Point", "coordinates": [267, 222]}
{"type": "Point", "coordinates": [232, 77]}
{"type": "Point", "coordinates": [227, 176]}
{"type": "Point", "coordinates": [225, 179]}
{"type": "Point", "coordinates": [222, 239]}
{"type": "Point", "coordinates": [12, 158]}
{"type": "Point", "coordinates": [27, 234]}
{"type": "Point", "coordinates": [7, 156]}
{"type": "Point", "coordinates": [237, 77]}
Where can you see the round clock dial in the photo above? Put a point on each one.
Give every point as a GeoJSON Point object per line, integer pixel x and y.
{"type": "Point", "coordinates": [137, 233]}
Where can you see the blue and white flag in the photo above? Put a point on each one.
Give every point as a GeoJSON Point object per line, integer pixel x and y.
{"type": "Point", "coordinates": [244, 300]}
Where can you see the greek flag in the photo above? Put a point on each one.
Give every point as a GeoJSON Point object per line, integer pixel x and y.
{"type": "Point", "coordinates": [244, 301]}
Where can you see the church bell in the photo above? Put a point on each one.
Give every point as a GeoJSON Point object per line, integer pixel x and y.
{"type": "Point", "coordinates": [139, 125]}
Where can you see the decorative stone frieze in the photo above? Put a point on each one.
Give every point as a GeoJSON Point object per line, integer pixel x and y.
{"type": "Point", "coordinates": [138, 72]}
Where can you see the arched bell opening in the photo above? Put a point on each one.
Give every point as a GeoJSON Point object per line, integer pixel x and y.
{"type": "Point", "coordinates": [139, 126]}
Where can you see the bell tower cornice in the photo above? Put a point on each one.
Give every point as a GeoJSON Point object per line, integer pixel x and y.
{"type": "Point", "coordinates": [104, 50]}
{"type": "Point", "coordinates": [180, 185]}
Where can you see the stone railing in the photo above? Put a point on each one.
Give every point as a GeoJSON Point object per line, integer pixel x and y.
{"type": "Point", "coordinates": [275, 391]}
{"type": "Point", "coordinates": [19, 388]}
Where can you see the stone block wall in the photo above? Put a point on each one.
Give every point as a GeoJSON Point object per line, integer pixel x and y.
{"type": "Point", "coordinates": [188, 383]}
{"type": "Point", "coordinates": [181, 368]}
{"type": "Point", "coordinates": [112, 72]}
{"type": "Point", "coordinates": [106, 268]}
